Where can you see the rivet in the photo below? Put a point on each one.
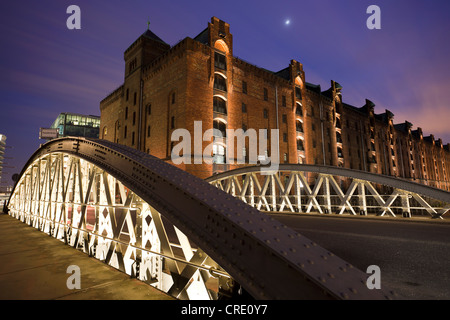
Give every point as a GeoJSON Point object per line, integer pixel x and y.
{"type": "Point", "coordinates": [344, 295]}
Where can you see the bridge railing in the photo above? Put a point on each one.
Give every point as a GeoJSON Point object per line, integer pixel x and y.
{"type": "Point", "coordinates": [320, 189]}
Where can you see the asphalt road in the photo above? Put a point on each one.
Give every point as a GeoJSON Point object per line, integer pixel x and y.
{"type": "Point", "coordinates": [414, 257]}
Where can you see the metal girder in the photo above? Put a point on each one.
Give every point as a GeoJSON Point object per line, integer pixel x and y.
{"type": "Point", "coordinates": [135, 195]}
{"type": "Point", "coordinates": [319, 191]}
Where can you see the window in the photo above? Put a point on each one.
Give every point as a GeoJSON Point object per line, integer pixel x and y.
{"type": "Point", "coordinates": [218, 154]}
{"type": "Point", "coordinates": [220, 82]}
{"type": "Point", "coordinates": [284, 118]}
{"type": "Point", "coordinates": [285, 158]}
{"type": "Point", "coordinates": [127, 94]}
{"type": "Point", "coordinates": [220, 61]}
{"type": "Point", "coordinates": [313, 127]}
{"type": "Point", "coordinates": [283, 101]}
{"type": "Point", "coordinates": [221, 127]}
{"type": "Point", "coordinates": [266, 94]}
{"type": "Point", "coordinates": [299, 126]}
{"type": "Point", "coordinates": [244, 87]}
{"type": "Point", "coordinates": [244, 127]}
{"type": "Point", "coordinates": [135, 98]}
{"type": "Point", "coordinates": [125, 132]}
{"type": "Point", "coordinates": [299, 110]}
{"type": "Point", "coordinates": [284, 137]}
{"type": "Point", "coordinates": [266, 113]}
{"type": "Point", "coordinates": [134, 118]}
{"type": "Point", "coordinates": [244, 108]}
{"type": "Point", "coordinates": [172, 122]}
{"type": "Point", "coordinates": [126, 113]}
{"type": "Point", "coordinates": [314, 143]}
{"type": "Point", "coordinates": [132, 138]}
{"type": "Point", "coordinates": [173, 98]}
{"type": "Point", "coordinates": [298, 93]}
{"type": "Point", "coordinates": [149, 109]}
{"type": "Point", "coordinates": [300, 145]}
{"type": "Point", "coordinates": [148, 131]}
{"type": "Point", "coordinates": [219, 105]}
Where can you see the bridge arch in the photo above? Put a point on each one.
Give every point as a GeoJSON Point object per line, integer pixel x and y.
{"type": "Point", "coordinates": [326, 189]}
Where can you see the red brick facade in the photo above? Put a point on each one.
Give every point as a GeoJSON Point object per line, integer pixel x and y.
{"type": "Point", "coordinates": [167, 88]}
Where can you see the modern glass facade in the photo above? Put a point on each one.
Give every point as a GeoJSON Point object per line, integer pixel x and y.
{"type": "Point", "coordinates": [77, 125]}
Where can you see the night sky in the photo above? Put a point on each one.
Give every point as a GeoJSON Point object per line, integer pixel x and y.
{"type": "Point", "coordinates": [47, 69]}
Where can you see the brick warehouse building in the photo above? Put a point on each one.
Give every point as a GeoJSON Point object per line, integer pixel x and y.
{"type": "Point", "coordinates": [199, 79]}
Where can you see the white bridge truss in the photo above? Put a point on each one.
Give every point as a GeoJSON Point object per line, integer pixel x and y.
{"type": "Point", "coordinates": [87, 208]}
{"type": "Point", "coordinates": [324, 189]}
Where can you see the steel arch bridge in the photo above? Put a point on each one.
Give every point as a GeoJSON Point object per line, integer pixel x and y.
{"type": "Point", "coordinates": [172, 230]}
{"type": "Point", "coordinates": [326, 189]}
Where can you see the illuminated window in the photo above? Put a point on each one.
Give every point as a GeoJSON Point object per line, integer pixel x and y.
{"type": "Point", "coordinates": [299, 110]}
{"type": "Point", "coordinates": [220, 61]}
{"type": "Point", "coordinates": [298, 93]}
{"type": "Point", "coordinates": [219, 105]}
{"type": "Point", "coordinates": [221, 127]}
{"type": "Point", "coordinates": [220, 82]}
{"type": "Point", "coordinates": [218, 154]}
{"type": "Point", "coordinates": [300, 146]}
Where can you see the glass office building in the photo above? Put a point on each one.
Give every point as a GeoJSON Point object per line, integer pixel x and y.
{"type": "Point", "coordinates": [77, 125]}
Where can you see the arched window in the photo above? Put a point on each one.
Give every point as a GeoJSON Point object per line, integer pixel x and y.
{"type": "Point", "coordinates": [338, 137]}
{"type": "Point", "coordinates": [220, 61]}
{"type": "Point", "coordinates": [220, 82]}
{"type": "Point", "coordinates": [221, 46]}
{"type": "Point", "coordinates": [218, 154]}
{"type": "Point", "coordinates": [220, 105]}
{"type": "Point", "coordinates": [339, 152]}
{"type": "Point", "coordinates": [300, 146]}
{"type": "Point", "coordinates": [299, 126]}
{"type": "Point", "coordinates": [105, 131]}
{"type": "Point", "coordinates": [221, 127]}
{"type": "Point", "coordinates": [299, 110]}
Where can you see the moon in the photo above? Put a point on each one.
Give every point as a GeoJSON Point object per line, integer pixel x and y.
{"type": "Point", "coordinates": [287, 22]}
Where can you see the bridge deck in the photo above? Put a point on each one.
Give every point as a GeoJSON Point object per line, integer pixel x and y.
{"type": "Point", "coordinates": [34, 265]}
